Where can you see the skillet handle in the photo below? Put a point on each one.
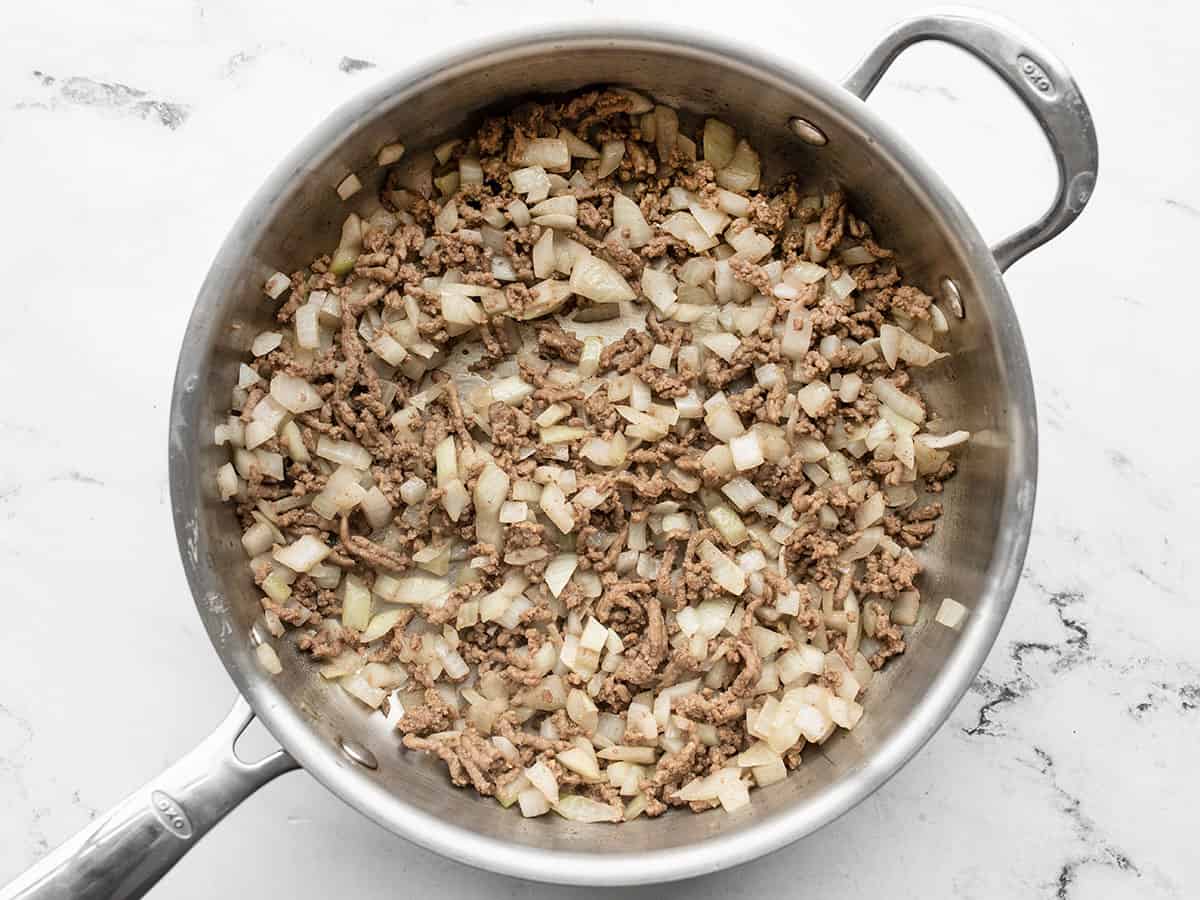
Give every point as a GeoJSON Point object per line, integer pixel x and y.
{"type": "Point", "coordinates": [1036, 76]}
{"type": "Point", "coordinates": [128, 849]}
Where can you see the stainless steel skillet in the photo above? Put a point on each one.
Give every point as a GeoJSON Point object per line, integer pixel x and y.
{"type": "Point", "coordinates": [800, 122]}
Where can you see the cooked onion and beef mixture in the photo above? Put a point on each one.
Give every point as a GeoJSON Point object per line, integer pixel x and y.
{"type": "Point", "coordinates": [592, 464]}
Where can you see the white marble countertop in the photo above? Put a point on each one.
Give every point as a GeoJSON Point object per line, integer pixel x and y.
{"type": "Point", "coordinates": [142, 126]}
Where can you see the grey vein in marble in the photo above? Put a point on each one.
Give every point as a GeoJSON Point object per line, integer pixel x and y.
{"type": "Point", "coordinates": [1098, 850]}
{"type": "Point", "coordinates": [1181, 206]}
{"type": "Point", "coordinates": [72, 476]}
{"type": "Point", "coordinates": [350, 65]}
{"type": "Point", "coordinates": [16, 734]}
{"type": "Point", "coordinates": [78, 90]}
{"type": "Point", "coordinates": [79, 478]}
{"type": "Point", "coordinates": [1072, 651]}
{"type": "Point", "coordinates": [1184, 697]}
{"type": "Point", "coordinates": [238, 61]}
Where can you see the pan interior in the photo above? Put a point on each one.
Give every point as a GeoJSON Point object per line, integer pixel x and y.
{"type": "Point", "coordinates": [982, 388]}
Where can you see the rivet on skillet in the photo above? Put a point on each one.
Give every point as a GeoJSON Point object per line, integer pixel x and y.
{"type": "Point", "coordinates": [356, 752]}
{"type": "Point", "coordinates": [808, 132]}
{"type": "Point", "coordinates": [952, 295]}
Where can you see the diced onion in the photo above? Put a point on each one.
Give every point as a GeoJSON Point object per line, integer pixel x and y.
{"type": "Point", "coordinates": [951, 613]}
{"type": "Point", "coordinates": [227, 481]}
{"type": "Point", "coordinates": [595, 279]}
{"type": "Point", "coordinates": [390, 154]}
{"type": "Point", "coordinates": [533, 803]}
{"type": "Point", "coordinates": [629, 225]}
{"type": "Point", "coordinates": [864, 546]}
{"type": "Point", "coordinates": [559, 572]}
{"type": "Point", "coordinates": [746, 450]}
{"type": "Point", "coordinates": [356, 604]}
{"type": "Point", "coordinates": [554, 504]}
{"type": "Point", "coordinates": [414, 590]}
{"type": "Point", "coordinates": [719, 143]}
{"type": "Point", "coordinates": [797, 334]}
{"type": "Point", "coordinates": [842, 286]}
{"type": "Point", "coordinates": [742, 171]}
{"type": "Point", "coordinates": [551, 154]}
{"type": "Point", "coordinates": [869, 512]}
{"type": "Point", "coordinates": [381, 623]}
{"type": "Point", "coordinates": [531, 181]}
{"type": "Point", "coordinates": [611, 154]}
{"type": "Point", "coordinates": [898, 401]}
{"type": "Point", "coordinates": [713, 221]}
{"type": "Point", "coordinates": [413, 490]}
{"type": "Point", "coordinates": [491, 490]}
{"type": "Point", "coordinates": [576, 808]}
{"type": "Point", "coordinates": [265, 342]}
{"type": "Point", "coordinates": [556, 212]}
{"type": "Point", "coordinates": [295, 394]}
{"type": "Point", "coordinates": [304, 553]}
{"type": "Point", "coordinates": [589, 357]}
{"type": "Point", "coordinates": [944, 441]}
{"type": "Point", "coordinates": [659, 288]}
{"type": "Point", "coordinates": [749, 244]}
{"type": "Point", "coordinates": [349, 186]}
{"type": "Point", "coordinates": [455, 499]}
{"type": "Point", "coordinates": [276, 285]}
{"type": "Point", "coordinates": [684, 226]}
{"type": "Point", "coordinates": [562, 434]}
{"type": "Point", "coordinates": [905, 608]}
{"type": "Point", "coordinates": [344, 453]}
{"type": "Point", "coordinates": [513, 511]}
{"type": "Point", "coordinates": [742, 493]}
{"type": "Point", "coordinates": [723, 344]}
{"type": "Point", "coordinates": [542, 778]}
{"type": "Point", "coordinates": [725, 571]}
{"type": "Point", "coordinates": [814, 397]}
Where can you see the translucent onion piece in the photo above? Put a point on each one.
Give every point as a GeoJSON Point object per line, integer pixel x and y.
{"type": "Point", "coordinates": [266, 342]}
{"type": "Point", "coordinates": [302, 554]}
{"type": "Point", "coordinates": [491, 491]}
{"type": "Point", "coordinates": [719, 143]}
{"type": "Point", "coordinates": [743, 170]}
{"type": "Point", "coordinates": [629, 224]}
{"type": "Point", "coordinates": [951, 613]}
{"type": "Point", "coordinates": [295, 394]}
{"type": "Point", "coordinates": [595, 279]}
{"type": "Point", "coordinates": [898, 401]}
{"type": "Point", "coordinates": [582, 809]}
{"type": "Point", "coordinates": [349, 186]}
{"type": "Point", "coordinates": [611, 154]}
{"type": "Point", "coordinates": [864, 546]}
{"type": "Point", "coordinates": [944, 441]}
{"type": "Point", "coordinates": [559, 572]}
{"type": "Point", "coordinates": [684, 226]}
{"type": "Point", "coordinates": [276, 285]}
{"type": "Point", "coordinates": [551, 154]}
{"type": "Point", "coordinates": [725, 571]}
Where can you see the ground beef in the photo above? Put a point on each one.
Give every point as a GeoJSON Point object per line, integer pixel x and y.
{"type": "Point", "coordinates": [751, 274]}
{"type": "Point", "coordinates": [433, 716]}
{"type": "Point", "coordinates": [911, 302]}
{"type": "Point", "coordinates": [554, 342]}
{"type": "Point", "coordinates": [470, 759]}
{"type": "Point", "coordinates": [626, 353]}
{"type": "Point", "coordinates": [661, 381]}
